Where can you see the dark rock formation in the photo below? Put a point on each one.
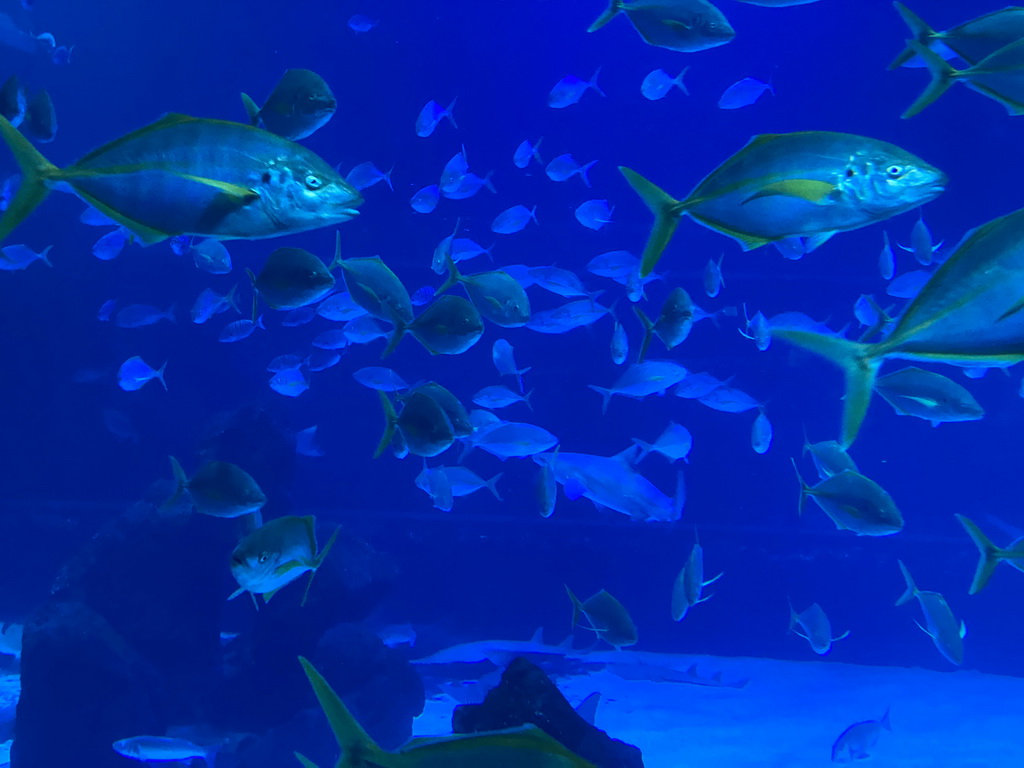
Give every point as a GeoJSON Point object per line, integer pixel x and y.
{"type": "Point", "coordinates": [526, 695]}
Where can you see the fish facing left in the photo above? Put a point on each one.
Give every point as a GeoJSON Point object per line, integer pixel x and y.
{"type": "Point", "coordinates": [165, 180]}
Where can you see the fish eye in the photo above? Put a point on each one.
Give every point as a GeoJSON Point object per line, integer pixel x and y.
{"type": "Point", "coordinates": [894, 171]}
{"type": "Point", "coordinates": [313, 181]}
{"type": "Point", "coordinates": [264, 556]}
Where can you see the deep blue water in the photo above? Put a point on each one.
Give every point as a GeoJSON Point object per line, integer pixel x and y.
{"type": "Point", "coordinates": [489, 569]}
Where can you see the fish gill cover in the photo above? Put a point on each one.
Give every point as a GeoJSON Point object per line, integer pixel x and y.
{"type": "Point", "coordinates": [612, 271]}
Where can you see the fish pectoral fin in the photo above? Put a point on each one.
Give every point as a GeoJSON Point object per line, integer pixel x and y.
{"type": "Point", "coordinates": [676, 24]}
{"type": "Point", "coordinates": [1011, 311]}
{"type": "Point", "coordinates": [923, 629]}
{"type": "Point", "coordinates": [284, 568]}
{"type": "Point", "coordinates": [236, 593]}
{"type": "Point", "coordinates": [148, 235]}
{"type": "Point", "coordinates": [811, 190]}
{"type": "Point", "coordinates": [843, 636]}
{"type": "Point", "coordinates": [927, 402]}
{"type": "Point", "coordinates": [235, 192]}
{"type": "Point", "coordinates": [306, 762]}
{"type": "Point", "coordinates": [813, 242]}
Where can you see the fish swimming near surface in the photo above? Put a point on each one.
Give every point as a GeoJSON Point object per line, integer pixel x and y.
{"type": "Point", "coordinates": [300, 104]}
{"type": "Point", "coordinates": [807, 185]}
{"type": "Point", "coordinates": [523, 747]}
{"type": "Point", "coordinates": [166, 179]}
{"type": "Point", "coordinates": [969, 314]}
{"type": "Point", "coordinates": [276, 554]}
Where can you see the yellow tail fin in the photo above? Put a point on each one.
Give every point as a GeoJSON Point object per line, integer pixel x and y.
{"type": "Point", "coordinates": [36, 170]}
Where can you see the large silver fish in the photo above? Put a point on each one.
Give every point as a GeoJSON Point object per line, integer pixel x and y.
{"type": "Point", "coordinates": [191, 176]}
{"type": "Point", "coordinates": [678, 25]}
{"type": "Point", "coordinates": [968, 314]}
{"type": "Point", "coordinates": [780, 186]}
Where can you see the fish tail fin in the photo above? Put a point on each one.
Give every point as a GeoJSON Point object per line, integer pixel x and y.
{"type": "Point", "coordinates": [180, 478]}
{"type": "Point", "coordinates": [232, 296]}
{"type": "Point", "coordinates": [614, 6]}
{"type": "Point", "coordinates": [805, 489]}
{"type": "Point", "coordinates": [593, 82]}
{"type": "Point", "coordinates": [678, 81]}
{"type": "Point", "coordinates": [491, 485]}
{"type": "Point", "coordinates": [583, 172]}
{"type": "Point", "coordinates": [857, 362]}
{"type": "Point", "coordinates": [648, 332]}
{"type": "Point", "coordinates": [794, 617]}
{"type": "Point", "coordinates": [394, 337]}
{"type": "Point", "coordinates": [911, 591]}
{"type": "Point", "coordinates": [449, 114]}
{"type": "Point", "coordinates": [318, 561]}
{"type": "Point", "coordinates": [943, 76]}
{"type": "Point", "coordinates": [160, 374]}
{"type": "Point", "coordinates": [357, 747]}
{"type": "Point", "coordinates": [885, 722]}
{"type": "Point", "coordinates": [989, 554]}
{"type": "Point", "coordinates": [36, 170]}
{"type": "Point", "coordinates": [304, 761]}
{"type": "Point", "coordinates": [577, 607]}
{"type": "Point", "coordinates": [44, 256]}
{"type": "Point", "coordinates": [252, 109]}
{"type": "Point", "coordinates": [606, 396]}
{"type": "Point", "coordinates": [645, 448]}
{"type": "Point", "coordinates": [526, 398]}
{"type": "Point", "coordinates": [921, 32]}
{"type": "Point", "coordinates": [391, 419]}
{"type": "Point", "coordinates": [666, 210]}
{"type": "Point", "coordinates": [453, 275]}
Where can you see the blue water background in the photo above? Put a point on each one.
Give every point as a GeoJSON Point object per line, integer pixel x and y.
{"type": "Point", "coordinates": [488, 569]}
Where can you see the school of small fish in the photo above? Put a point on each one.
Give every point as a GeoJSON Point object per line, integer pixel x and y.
{"type": "Point", "coordinates": [964, 306]}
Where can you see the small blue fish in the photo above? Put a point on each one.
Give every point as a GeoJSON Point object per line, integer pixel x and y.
{"type": "Point", "coordinates": [103, 315]}
{"type": "Point", "coordinates": [921, 244]}
{"type": "Point", "coordinates": [322, 359]}
{"type": "Point", "coordinates": [240, 329]}
{"type": "Point", "coordinates": [367, 174]}
{"type": "Point", "coordinates": [140, 315]}
{"type": "Point", "coordinates": [290, 383]}
{"type": "Point", "coordinates": [504, 361]}
{"type": "Point", "coordinates": [340, 308]}
{"type": "Point", "coordinates": [454, 171]}
{"type": "Point", "coordinates": [713, 280]}
{"type": "Point", "coordinates": [468, 186]}
{"type": "Point", "coordinates": [697, 385]}
{"type": "Point", "coordinates": [619, 344]}
{"type": "Point", "coordinates": [674, 443]}
{"type": "Point", "coordinates": [422, 296]}
{"type": "Point", "coordinates": [857, 741]}
{"type": "Point", "coordinates": [744, 93]}
{"type": "Point", "coordinates": [499, 396]}
{"type": "Point", "coordinates": [109, 246]}
{"type": "Point", "coordinates": [758, 331]}
{"type": "Point", "coordinates": [565, 167]}
{"type": "Point", "coordinates": [360, 24]}
{"type": "Point", "coordinates": [210, 255]}
{"type": "Point", "coordinates": [575, 314]}
{"type": "Point", "coordinates": [285, 363]}
{"type": "Point", "coordinates": [334, 338]}
{"type": "Point", "coordinates": [426, 199]}
{"type": "Point", "coordinates": [380, 379]}
{"type": "Point", "coordinates": [135, 373]}
{"type": "Point", "coordinates": [513, 219]}
{"type": "Point", "coordinates": [658, 83]}
{"type": "Point", "coordinates": [432, 114]}
{"type": "Point", "coordinates": [363, 330]}
{"type": "Point", "coordinates": [17, 257]}
{"type": "Point", "coordinates": [526, 152]}
{"type": "Point", "coordinates": [8, 190]}
{"type": "Point", "coordinates": [570, 89]}
{"type": "Point", "coordinates": [306, 444]}
{"type": "Point", "coordinates": [594, 214]}
{"type": "Point", "coordinates": [558, 281]}
{"type": "Point", "coordinates": [516, 440]}
{"type": "Point", "coordinates": [61, 55]}
{"type": "Point", "coordinates": [180, 244]}
{"type": "Point", "coordinates": [761, 433]}
{"type": "Point", "coordinates": [909, 284]}
{"type": "Point", "coordinates": [886, 260]}
{"type": "Point", "coordinates": [93, 218]}
{"type": "Point", "coordinates": [209, 303]}
{"type": "Point", "coordinates": [729, 400]}
{"type": "Point", "coordinates": [298, 316]}
{"type": "Point", "coordinates": [642, 379]}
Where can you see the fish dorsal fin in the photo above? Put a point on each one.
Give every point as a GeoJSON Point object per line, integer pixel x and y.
{"type": "Point", "coordinates": [537, 638]}
{"type": "Point", "coordinates": [923, 629]}
{"type": "Point", "coordinates": [963, 629]}
{"type": "Point", "coordinates": [169, 120]}
{"type": "Point", "coordinates": [811, 190]}
{"type": "Point", "coordinates": [843, 636]}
